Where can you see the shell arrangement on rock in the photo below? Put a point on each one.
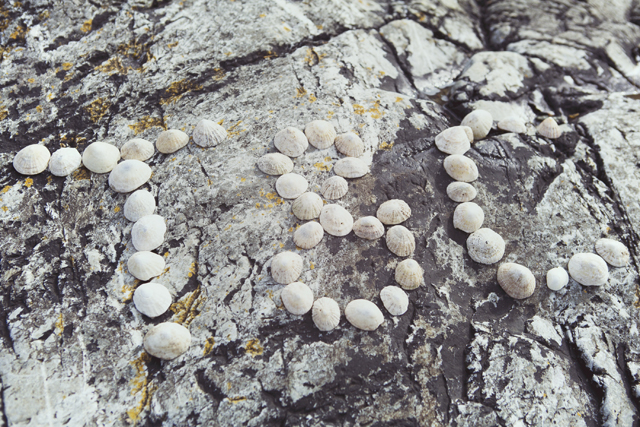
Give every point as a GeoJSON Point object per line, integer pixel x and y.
{"type": "Point", "coordinates": [308, 235]}
{"type": "Point", "coordinates": [588, 269]}
{"type": "Point", "coordinates": [167, 340]}
{"type": "Point", "coordinates": [400, 241]}
{"type": "Point", "coordinates": [291, 142]}
{"type": "Point", "coordinates": [320, 134]}
{"type": "Point", "coordinates": [286, 267]}
{"type": "Point", "coordinates": [148, 232]}
{"type": "Point", "coordinates": [64, 161]}
{"type": "Point", "coordinates": [549, 128]}
{"type": "Point", "coordinates": [364, 315]}
{"type": "Point", "coordinates": [297, 298]}
{"type": "Point", "coordinates": [307, 206]}
{"type": "Point", "coordinates": [326, 314]}
{"type": "Point", "coordinates": [100, 157]}
{"type": "Point", "coordinates": [350, 167]}
{"type": "Point", "coordinates": [137, 149]}
{"type": "Point", "coordinates": [395, 300]}
{"type": "Point", "coordinates": [334, 188]}
{"type": "Point", "coordinates": [31, 160]}
{"type": "Point", "coordinates": [453, 140]}
{"type": "Point", "coordinates": [208, 133]}
{"type": "Point", "coordinates": [461, 192]}
{"type": "Point", "coordinates": [152, 299]}
{"type": "Point", "coordinates": [275, 164]}
{"type": "Point", "coordinates": [140, 203]}
{"type": "Point", "coordinates": [394, 211]}
{"type": "Point", "coordinates": [512, 124]}
{"type": "Point", "coordinates": [336, 220]}
{"type": "Point", "coordinates": [145, 265]}
{"type": "Point", "coordinates": [368, 227]}
{"type": "Point", "coordinates": [291, 185]}
{"type": "Point", "coordinates": [129, 175]}
{"type": "Point", "coordinates": [461, 168]}
{"type": "Point", "coordinates": [516, 280]}
{"type": "Point", "coordinates": [557, 278]}
{"type": "Point", "coordinates": [409, 274]}
{"type": "Point", "coordinates": [171, 141]}
{"type": "Point", "coordinates": [480, 122]}
{"type": "Point", "coordinates": [349, 144]}
{"type": "Point", "coordinates": [468, 217]}
{"type": "Point", "coordinates": [485, 246]}
{"type": "Point", "coordinates": [613, 252]}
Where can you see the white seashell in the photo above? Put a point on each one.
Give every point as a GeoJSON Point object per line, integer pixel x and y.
{"type": "Point", "coordinates": [400, 241]}
{"type": "Point", "coordinates": [171, 141]}
{"type": "Point", "coordinates": [613, 252]}
{"type": "Point", "coordinates": [364, 314]}
{"type": "Point", "coordinates": [100, 157]}
{"type": "Point", "coordinates": [516, 280]}
{"type": "Point", "coordinates": [485, 246]}
{"type": "Point", "coordinates": [468, 217]}
{"type": "Point", "coordinates": [409, 274]}
{"type": "Point", "coordinates": [349, 144]}
{"type": "Point", "coordinates": [326, 314]}
{"type": "Point", "coordinates": [512, 124]}
{"type": "Point", "coordinates": [129, 175]}
{"type": "Point", "coordinates": [307, 206]}
{"type": "Point", "coordinates": [148, 232]}
{"type": "Point", "coordinates": [453, 140]}
{"type": "Point", "coordinates": [469, 132]}
{"type": "Point", "coordinates": [480, 122]}
{"type": "Point", "coordinates": [308, 235]}
{"type": "Point", "coordinates": [286, 267]}
{"type": "Point", "coordinates": [291, 185]}
{"type": "Point", "coordinates": [291, 142]}
{"type": "Point", "coordinates": [588, 269]}
{"type": "Point", "coordinates": [140, 203]}
{"type": "Point", "coordinates": [137, 149]}
{"type": "Point", "coordinates": [297, 298]}
{"type": "Point", "coordinates": [208, 134]}
{"type": "Point", "coordinates": [334, 188]}
{"type": "Point", "coordinates": [320, 134]}
{"type": "Point", "coordinates": [350, 167]}
{"type": "Point", "coordinates": [31, 160]}
{"type": "Point", "coordinates": [461, 168]}
{"type": "Point", "coordinates": [152, 299]}
{"type": "Point", "coordinates": [549, 128]}
{"type": "Point", "coordinates": [395, 300]}
{"type": "Point", "coordinates": [167, 340]}
{"type": "Point", "coordinates": [144, 265]}
{"type": "Point", "coordinates": [368, 227]}
{"type": "Point", "coordinates": [275, 164]}
{"type": "Point", "coordinates": [336, 220]}
{"type": "Point", "coordinates": [461, 192]}
{"type": "Point", "coordinates": [557, 278]}
{"type": "Point", "coordinates": [394, 211]}
{"type": "Point", "coordinates": [64, 161]}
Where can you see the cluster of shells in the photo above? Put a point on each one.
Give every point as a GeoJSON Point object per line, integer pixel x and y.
{"type": "Point", "coordinates": [166, 340]}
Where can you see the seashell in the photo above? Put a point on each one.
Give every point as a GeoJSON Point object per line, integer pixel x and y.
{"type": "Point", "coordinates": [368, 227]}
{"type": "Point", "coordinates": [152, 299]}
{"type": "Point", "coordinates": [275, 164]}
{"type": "Point", "coordinates": [286, 267]}
{"type": "Point", "coordinates": [171, 141]}
{"type": "Point", "coordinates": [308, 235]}
{"type": "Point", "coordinates": [307, 206]}
{"type": "Point", "coordinates": [469, 132]}
{"type": "Point", "coordinates": [64, 161]}
{"type": "Point", "coordinates": [100, 157]}
{"type": "Point", "coordinates": [291, 185]}
{"type": "Point", "coordinates": [334, 188]}
{"type": "Point", "coordinates": [129, 175]}
{"type": "Point", "coordinates": [461, 168]}
{"type": "Point", "coordinates": [453, 140]}
{"type": "Point", "coordinates": [31, 160]}
{"type": "Point", "coordinates": [326, 314]}
{"type": "Point", "coordinates": [588, 269]}
{"type": "Point", "coordinates": [364, 314]}
{"type": "Point", "coordinates": [297, 298]}
{"type": "Point", "coordinates": [461, 192]}
{"type": "Point", "coordinates": [148, 232]}
{"type": "Point", "coordinates": [208, 133]}
{"type": "Point", "coordinates": [320, 134]}
{"type": "Point", "coordinates": [512, 124]}
{"type": "Point", "coordinates": [400, 241]}
{"type": "Point", "coordinates": [480, 122]}
{"type": "Point", "coordinates": [144, 265]}
{"type": "Point", "coordinates": [549, 128]}
{"type": "Point", "coordinates": [485, 246]}
{"type": "Point", "coordinates": [468, 217]}
{"type": "Point", "coordinates": [395, 300]}
{"type": "Point", "coordinates": [557, 278]}
{"type": "Point", "coordinates": [409, 274]}
{"type": "Point", "coordinates": [291, 142]}
{"type": "Point", "coordinates": [613, 252]}
{"type": "Point", "coordinates": [349, 144]}
{"type": "Point", "coordinates": [516, 280]}
{"type": "Point", "coordinates": [336, 220]}
{"type": "Point", "coordinates": [137, 149]}
{"type": "Point", "coordinates": [350, 167]}
{"type": "Point", "coordinates": [167, 340]}
{"type": "Point", "coordinates": [140, 203]}
{"type": "Point", "coordinates": [393, 212]}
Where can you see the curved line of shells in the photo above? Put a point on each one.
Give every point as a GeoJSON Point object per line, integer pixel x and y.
{"type": "Point", "coordinates": [166, 340]}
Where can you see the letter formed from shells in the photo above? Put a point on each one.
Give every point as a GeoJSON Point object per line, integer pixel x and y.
{"type": "Point", "coordinates": [516, 280]}
{"type": "Point", "coordinates": [144, 265]}
{"type": "Point", "coordinates": [364, 315]}
{"type": "Point", "coordinates": [100, 157]}
{"type": "Point", "coordinates": [334, 188]}
{"type": "Point", "coordinates": [275, 164]}
{"type": "Point", "coordinates": [171, 141]}
{"type": "Point", "coordinates": [152, 299]}
{"type": "Point", "coordinates": [326, 314]}
{"type": "Point", "coordinates": [549, 128]}
{"type": "Point", "coordinates": [64, 161]}
{"type": "Point", "coordinates": [588, 269]}
{"type": "Point", "coordinates": [308, 235]}
{"type": "Point", "coordinates": [148, 232]}
{"type": "Point", "coordinates": [167, 340]}
{"type": "Point", "coordinates": [31, 160]}
{"type": "Point", "coordinates": [297, 298]}
{"type": "Point", "coordinates": [140, 203]}
{"type": "Point", "coordinates": [291, 185]}
{"type": "Point", "coordinates": [129, 175]}
{"type": "Point", "coordinates": [400, 241]}
{"type": "Point", "coordinates": [307, 206]}
{"type": "Point", "coordinates": [461, 168]}
{"type": "Point", "coordinates": [453, 140]}
{"type": "Point", "coordinates": [480, 122]}
{"type": "Point", "coordinates": [336, 220]}
{"type": "Point", "coordinates": [557, 278]}
{"type": "Point", "coordinates": [512, 124]}
{"type": "Point", "coordinates": [291, 142]}
{"type": "Point", "coordinates": [485, 246]}
{"type": "Point", "coordinates": [286, 267]}
{"type": "Point", "coordinates": [409, 274]}
{"type": "Point", "coordinates": [368, 227]}
{"type": "Point", "coordinates": [613, 252]}
{"type": "Point", "coordinates": [208, 133]}
{"type": "Point", "coordinates": [137, 149]}
{"type": "Point", "coordinates": [349, 144]}
{"type": "Point", "coordinates": [395, 300]}
{"type": "Point", "coordinates": [350, 167]}
{"type": "Point", "coordinates": [320, 134]}
{"type": "Point", "coordinates": [394, 211]}
{"type": "Point", "coordinates": [468, 217]}
{"type": "Point", "coordinates": [461, 192]}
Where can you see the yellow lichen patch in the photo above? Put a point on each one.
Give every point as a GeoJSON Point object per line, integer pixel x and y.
{"type": "Point", "coordinates": [97, 109]}
{"type": "Point", "coordinates": [300, 92]}
{"type": "Point", "coordinates": [232, 132]}
{"type": "Point", "coordinates": [67, 66]}
{"type": "Point", "coordinates": [312, 98]}
{"type": "Point", "coordinates": [192, 269]}
{"type": "Point", "coordinates": [112, 66]}
{"type": "Point", "coordinates": [80, 174]}
{"type": "Point", "coordinates": [86, 27]}
{"type": "Point", "coordinates": [5, 189]}
{"type": "Point", "coordinates": [330, 114]}
{"type": "Point", "coordinates": [375, 111]}
{"type": "Point", "coordinates": [188, 308]}
{"type": "Point", "coordinates": [140, 384]}
{"type": "Point", "coordinates": [59, 325]}
{"type": "Point", "coordinates": [148, 122]}
{"type": "Point", "coordinates": [39, 109]}
{"type": "Point", "coordinates": [273, 196]}
{"type": "Point", "coordinates": [176, 90]}
{"type": "Point", "coordinates": [358, 109]}
{"type": "Point", "coordinates": [31, 80]}
{"type": "Point", "coordinates": [44, 15]}
{"type": "Point", "coordinates": [4, 208]}
{"type": "Point", "coordinates": [28, 182]}
{"type": "Point", "coordinates": [19, 33]}
{"type": "Point", "coordinates": [312, 266]}
{"type": "Point", "coordinates": [116, 209]}
{"type": "Point", "coordinates": [218, 74]}
{"type": "Point", "coordinates": [134, 50]}
{"type": "Point", "coordinates": [386, 145]}
{"type": "Point", "coordinates": [235, 400]}
{"type": "Point", "coordinates": [3, 111]}
{"type": "Point", "coordinates": [398, 99]}
{"type": "Point", "coordinates": [253, 347]}
{"type": "Point", "coordinates": [270, 54]}
{"type": "Point", "coordinates": [172, 45]}
{"type": "Point", "coordinates": [208, 346]}
{"type": "Point", "coordinates": [262, 15]}
{"type": "Point", "coordinates": [322, 167]}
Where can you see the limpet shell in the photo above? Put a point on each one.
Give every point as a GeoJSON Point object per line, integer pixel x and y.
{"type": "Point", "coordinates": [148, 232]}
{"type": "Point", "coordinates": [461, 192]}
{"type": "Point", "coordinates": [485, 246]}
{"type": "Point", "coordinates": [100, 157]}
{"type": "Point", "coordinates": [364, 314]}
{"type": "Point", "coordinates": [409, 274]}
{"type": "Point", "coordinates": [140, 203]}
{"type": "Point", "coordinates": [350, 167]}
{"type": "Point", "coordinates": [64, 161]}
{"type": "Point", "coordinates": [557, 278]}
{"type": "Point", "coordinates": [129, 175]}
{"type": "Point", "coordinates": [512, 124]}
{"type": "Point", "coordinates": [326, 314]}
{"type": "Point", "coordinates": [171, 141]}
{"type": "Point", "coordinates": [286, 267]}
{"type": "Point", "coordinates": [613, 252]}
{"type": "Point", "coordinates": [549, 128]}
{"type": "Point", "coordinates": [137, 149]}
{"type": "Point", "coordinates": [394, 211]}
{"type": "Point", "coordinates": [144, 265]}
{"type": "Point", "coordinates": [395, 300]}
{"type": "Point", "coordinates": [516, 280]}
{"type": "Point", "coordinates": [480, 122]}
{"type": "Point", "coordinates": [334, 188]}
{"type": "Point", "coordinates": [208, 133]}
{"type": "Point", "coordinates": [152, 299]}
{"type": "Point", "coordinates": [336, 220]}
{"type": "Point", "coordinates": [349, 144]}
{"type": "Point", "coordinates": [453, 140]}
{"type": "Point", "coordinates": [297, 298]}
{"type": "Point", "coordinates": [291, 142]}
{"type": "Point", "coordinates": [588, 269]}
{"type": "Point", "coordinates": [308, 235]}
{"type": "Point", "coordinates": [167, 340]}
{"type": "Point", "coordinates": [368, 227]}
{"type": "Point", "coordinates": [275, 164]}
{"type": "Point", "coordinates": [31, 160]}
{"type": "Point", "coordinates": [320, 133]}
{"type": "Point", "coordinates": [400, 241]}
{"type": "Point", "coordinates": [461, 168]}
{"type": "Point", "coordinates": [291, 185]}
{"type": "Point", "coordinates": [468, 217]}
{"type": "Point", "coordinates": [307, 206]}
